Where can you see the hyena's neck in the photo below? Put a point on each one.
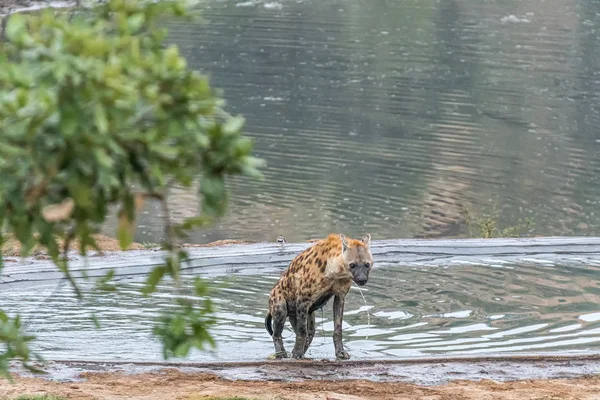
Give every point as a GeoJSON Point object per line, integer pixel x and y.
{"type": "Point", "coordinates": [336, 268]}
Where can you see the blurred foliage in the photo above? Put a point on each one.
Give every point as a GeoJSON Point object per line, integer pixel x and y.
{"type": "Point", "coordinates": [15, 345]}
{"type": "Point", "coordinates": [91, 107]}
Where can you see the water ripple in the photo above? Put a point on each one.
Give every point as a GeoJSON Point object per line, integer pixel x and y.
{"type": "Point", "coordinates": [459, 309]}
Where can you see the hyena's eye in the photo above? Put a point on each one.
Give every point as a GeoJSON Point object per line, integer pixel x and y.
{"type": "Point", "coordinates": [367, 265]}
{"type": "Point", "coordinates": [352, 265]}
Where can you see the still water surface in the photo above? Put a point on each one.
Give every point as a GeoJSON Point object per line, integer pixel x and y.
{"type": "Point", "coordinates": [391, 116]}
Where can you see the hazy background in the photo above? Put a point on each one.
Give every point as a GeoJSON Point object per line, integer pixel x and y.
{"type": "Point", "coordinates": [389, 117]}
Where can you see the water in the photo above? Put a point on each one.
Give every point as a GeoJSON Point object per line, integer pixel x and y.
{"type": "Point", "coordinates": [389, 118]}
{"type": "Point", "coordinates": [424, 300]}
{"type": "Point", "coordinates": [385, 117]}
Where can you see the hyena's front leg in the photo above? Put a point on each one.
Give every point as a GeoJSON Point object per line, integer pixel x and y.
{"type": "Point", "coordinates": [338, 314]}
{"type": "Point", "coordinates": [301, 330]}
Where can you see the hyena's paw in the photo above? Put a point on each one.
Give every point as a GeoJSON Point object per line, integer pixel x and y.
{"type": "Point", "coordinates": [278, 356]}
{"type": "Point", "coordinates": [342, 355]}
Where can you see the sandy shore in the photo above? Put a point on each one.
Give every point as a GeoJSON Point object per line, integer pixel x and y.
{"type": "Point", "coordinates": [171, 384]}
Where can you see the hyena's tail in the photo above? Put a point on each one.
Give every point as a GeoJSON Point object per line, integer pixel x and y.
{"type": "Point", "coordinates": [268, 326]}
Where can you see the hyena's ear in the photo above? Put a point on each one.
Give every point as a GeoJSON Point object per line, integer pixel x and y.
{"type": "Point", "coordinates": [367, 240]}
{"type": "Point", "coordinates": [344, 242]}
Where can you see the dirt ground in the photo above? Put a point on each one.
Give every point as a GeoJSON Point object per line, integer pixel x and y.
{"type": "Point", "coordinates": [172, 384]}
{"type": "Point", "coordinates": [10, 6]}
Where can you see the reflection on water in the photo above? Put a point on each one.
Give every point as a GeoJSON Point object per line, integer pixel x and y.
{"type": "Point", "coordinates": [414, 311]}
{"type": "Point", "coordinates": [390, 116]}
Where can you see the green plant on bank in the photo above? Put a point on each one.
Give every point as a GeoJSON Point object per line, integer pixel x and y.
{"type": "Point", "coordinates": [89, 109]}
{"type": "Point", "coordinates": [486, 225]}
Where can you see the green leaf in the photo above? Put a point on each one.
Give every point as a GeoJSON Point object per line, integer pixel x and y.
{"type": "Point", "coordinates": [172, 57]}
{"type": "Point", "coordinates": [136, 21]}
{"type": "Point", "coordinates": [125, 231]}
{"type": "Point", "coordinates": [153, 279]}
{"type": "Point", "coordinates": [8, 150]}
{"type": "Point", "coordinates": [16, 27]}
{"type": "Point", "coordinates": [233, 125]}
{"type": "Point", "coordinates": [101, 120]}
{"type": "Point", "coordinates": [243, 146]}
{"type": "Point", "coordinates": [96, 321]}
{"type": "Point", "coordinates": [80, 193]}
{"type": "Point", "coordinates": [166, 151]}
{"type": "Point", "coordinates": [104, 282]}
{"type": "Point", "coordinates": [213, 190]}
{"type": "Point", "coordinates": [103, 159]}
{"type": "Point", "coordinates": [196, 222]}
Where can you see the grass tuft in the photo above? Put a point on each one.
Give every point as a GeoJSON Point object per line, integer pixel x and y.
{"type": "Point", "coordinates": [486, 225]}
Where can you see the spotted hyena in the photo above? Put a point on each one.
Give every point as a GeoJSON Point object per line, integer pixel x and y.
{"type": "Point", "coordinates": [325, 269]}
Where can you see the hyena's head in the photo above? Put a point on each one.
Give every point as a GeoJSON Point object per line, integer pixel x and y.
{"type": "Point", "coordinates": [357, 257]}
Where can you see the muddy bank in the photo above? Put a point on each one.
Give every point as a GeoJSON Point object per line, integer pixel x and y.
{"type": "Point", "coordinates": [12, 247]}
{"type": "Point", "coordinates": [425, 371]}
{"type": "Point", "coordinates": [11, 6]}
{"type": "Point", "coordinates": [172, 384]}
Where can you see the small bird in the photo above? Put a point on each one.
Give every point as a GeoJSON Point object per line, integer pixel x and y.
{"type": "Point", "coordinates": [281, 239]}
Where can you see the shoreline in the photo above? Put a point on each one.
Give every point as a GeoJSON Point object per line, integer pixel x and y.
{"type": "Point", "coordinates": [9, 7]}
{"type": "Point", "coordinates": [428, 371]}
{"type": "Point", "coordinates": [178, 384]}
{"type": "Point", "coordinates": [109, 244]}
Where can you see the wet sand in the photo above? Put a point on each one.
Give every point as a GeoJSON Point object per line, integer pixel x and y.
{"type": "Point", "coordinates": [173, 384]}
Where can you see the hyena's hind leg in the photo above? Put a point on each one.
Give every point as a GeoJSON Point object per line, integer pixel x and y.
{"type": "Point", "coordinates": [278, 311]}
{"type": "Point", "coordinates": [310, 331]}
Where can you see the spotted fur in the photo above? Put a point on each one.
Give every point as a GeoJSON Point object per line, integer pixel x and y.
{"type": "Point", "coordinates": [324, 270]}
